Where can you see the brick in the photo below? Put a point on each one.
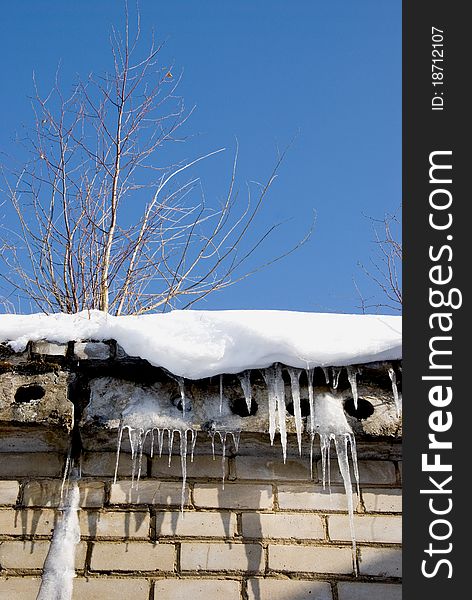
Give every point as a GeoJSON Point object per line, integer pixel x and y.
{"type": "Point", "coordinates": [91, 351]}
{"type": "Point", "coordinates": [233, 496]}
{"type": "Point", "coordinates": [148, 492]}
{"type": "Point", "coordinates": [310, 559]}
{"type": "Point", "coordinates": [132, 556]}
{"type": "Point", "coordinates": [129, 524]}
{"type": "Point", "coordinates": [19, 588]}
{"type": "Point", "coordinates": [367, 528]}
{"type": "Point", "coordinates": [369, 591]}
{"type": "Point", "coordinates": [282, 589]}
{"type": "Point", "coordinates": [31, 464]}
{"type": "Point", "coordinates": [196, 589]}
{"type": "Point", "coordinates": [221, 557]}
{"type": "Point", "coordinates": [384, 562]}
{"type": "Point", "coordinates": [195, 524]}
{"type": "Point", "coordinates": [203, 466]}
{"type": "Point", "coordinates": [370, 471]}
{"type": "Point", "coordinates": [313, 497]}
{"type": "Point", "coordinates": [299, 526]}
{"type": "Point", "coordinates": [102, 464]}
{"type": "Point", "coordinates": [253, 467]}
{"type": "Point", "coordinates": [9, 492]}
{"type": "Point", "coordinates": [381, 500]}
{"type": "Point", "coordinates": [27, 522]}
{"type": "Point", "coordinates": [48, 493]}
{"type": "Point", "coordinates": [31, 555]}
{"type": "Point", "coordinates": [110, 587]}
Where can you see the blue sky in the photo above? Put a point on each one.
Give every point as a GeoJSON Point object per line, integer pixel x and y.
{"type": "Point", "coordinates": [261, 71]}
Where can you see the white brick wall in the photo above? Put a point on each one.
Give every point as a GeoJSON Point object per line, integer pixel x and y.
{"type": "Point", "coordinates": [308, 559]}
{"type": "Point", "coordinates": [9, 492]}
{"type": "Point", "coordinates": [285, 589]}
{"type": "Point", "coordinates": [302, 526]}
{"type": "Point", "coordinates": [233, 495]}
{"type": "Point", "coordinates": [269, 534]}
{"type": "Point", "coordinates": [132, 556]}
{"type": "Point", "coordinates": [221, 557]}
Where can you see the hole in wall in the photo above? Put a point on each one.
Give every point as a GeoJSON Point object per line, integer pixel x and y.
{"type": "Point", "coordinates": [26, 393]}
{"type": "Point", "coordinates": [238, 407]}
{"type": "Point", "coordinates": [364, 408]}
{"type": "Point", "coordinates": [177, 402]}
{"type": "Point", "coordinates": [304, 407]}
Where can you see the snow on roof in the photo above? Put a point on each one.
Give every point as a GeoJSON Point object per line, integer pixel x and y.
{"type": "Point", "coordinates": [196, 344]}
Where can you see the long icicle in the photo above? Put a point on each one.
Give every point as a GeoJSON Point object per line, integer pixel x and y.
{"type": "Point", "coordinates": [221, 394]}
{"type": "Point", "coordinates": [245, 379]}
{"type": "Point", "coordinates": [269, 377]}
{"type": "Point", "coordinates": [396, 395]}
{"type": "Point", "coordinates": [297, 411]}
{"type": "Point", "coordinates": [281, 410]}
{"type": "Point", "coordinates": [311, 398]}
{"type": "Point", "coordinates": [341, 444]}
{"type": "Point", "coordinates": [183, 463]}
{"type": "Point", "coordinates": [59, 566]}
{"type": "Point", "coordinates": [352, 377]}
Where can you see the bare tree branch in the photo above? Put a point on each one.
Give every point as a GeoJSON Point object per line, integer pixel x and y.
{"type": "Point", "coordinates": [385, 265]}
{"type": "Point", "coordinates": [101, 221]}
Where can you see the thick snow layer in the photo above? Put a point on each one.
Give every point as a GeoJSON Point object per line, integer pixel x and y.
{"type": "Point", "coordinates": [197, 344]}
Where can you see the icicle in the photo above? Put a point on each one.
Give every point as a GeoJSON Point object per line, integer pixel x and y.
{"type": "Point", "coordinates": [181, 383]}
{"type": "Point", "coordinates": [352, 376]}
{"type": "Point", "coordinates": [245, 379]}
{"type": "Point", "coordinates": [326, 374]}
{"type": "Point", "coordinates": [212, 437]}
{"type": "Point", "coordinates": [193, 442]}
{"type": "Point", "coordinates": [312, 440]}
{"type": "Point", "coordinates": [141, 440]}
{"type": "Point", "coordinates": [135, 443]}
{"type": "Point", "coordinates": [280, 392]}
{"type": "Point", "coordinates": [325, 441]}
{"type": "Point", "coordinates": [336, 371]}
{"type": "Point", "coordinates": [297, 412]}
{"type": "Point", "coordinates": [221, 394]}
{"type": "Point", "coordinates": [311, 398]}
{"type": "Point", "coordinates": [341, 444]}
{"type": "Point", "coordinates": [236, 435]}
{"type": "Point", "coordinates": [396, 395]}
{"type": "Point", "coordinates": [59, 571]}
{"type": "Point", "coordinates": [66, 472]}
{"type": "Point", "coordinates": [183, 463]}
{"type": "Point", "coordinates": [331, 424]}
{"type": "Point", "coordinates": [151, 451]}
{"type": "Point", "coordinates": [170, 433]}
{"type": "Point", "coordinates": [223, 457]}
{"type": "Point", "coordinates": [160, 440]}
{"type": "Point", "coordinates": [118, 450]}
{"type": "Point", "coordinates": [276, 392]}
{"type": "Point", "coordinates": [269, 377]}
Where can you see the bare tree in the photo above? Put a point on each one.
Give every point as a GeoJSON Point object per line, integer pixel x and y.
{"type": "Point", "coordinates": [101, 222]}
{"type": "Point", "coordinates": [385, 265]}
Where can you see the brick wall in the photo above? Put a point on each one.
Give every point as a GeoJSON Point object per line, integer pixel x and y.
{"type": "Point", "coordinates": [271, 533]}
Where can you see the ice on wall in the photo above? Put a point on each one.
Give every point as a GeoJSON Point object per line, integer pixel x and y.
{"type": "Point", "coordinates": [331, 426]}
{"type": "Point", "coordinates": [148, 425]}
{"type": "Point", "coordinates": [276, 399]}
{"type": "Point", "coordinates": [297, 412]}
{"type": "Point", "coordinates": [396, 394]}
{"type": "Point", "coordinates": [245, 379]}
{"type": "Point", "coordinates": [198, 344]}
{"type": "Point", "coordinates": [58, 570]}
{"type": "Point", "coordinates": [151, 425]}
